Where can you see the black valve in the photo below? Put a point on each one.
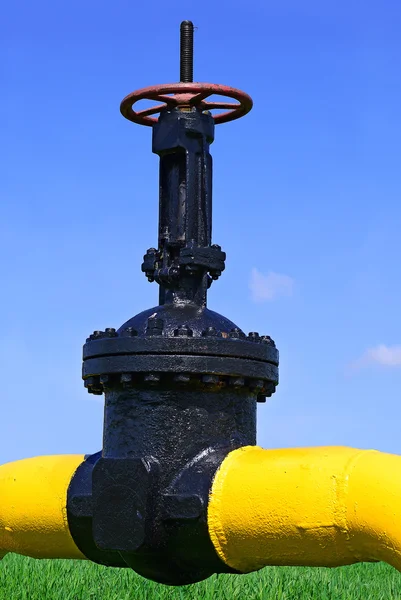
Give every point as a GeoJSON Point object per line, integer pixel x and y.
{"type": "Point", "coordinates": [180, 381]}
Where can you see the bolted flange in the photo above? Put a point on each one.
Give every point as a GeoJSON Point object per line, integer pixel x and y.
{"type": "Point", "coordinates": [165, 345]}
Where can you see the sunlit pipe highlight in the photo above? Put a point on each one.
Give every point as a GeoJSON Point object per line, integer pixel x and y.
{"type": "Point", "coordinates": [33, 514]}
{"type": "Point", "coordinates": [326, 506]}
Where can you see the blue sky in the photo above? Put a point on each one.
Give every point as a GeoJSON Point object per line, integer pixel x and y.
{"type": "Point", "coordinates": [306, 206]}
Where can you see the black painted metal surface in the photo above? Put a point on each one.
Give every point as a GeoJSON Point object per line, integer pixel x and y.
{"type": "Point", "coordinates": [180, 381]}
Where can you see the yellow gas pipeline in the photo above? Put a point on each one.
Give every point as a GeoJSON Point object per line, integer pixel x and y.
{"type": "Point", "coordinates": [33, 514]}
{"type": "Point", "coordinates": [327, 506]}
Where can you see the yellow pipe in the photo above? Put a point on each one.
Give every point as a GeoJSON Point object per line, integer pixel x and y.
{"type": "Point", "coordinates": [327, 506]}
{"type": "Point", "coordinates": [33, 514]}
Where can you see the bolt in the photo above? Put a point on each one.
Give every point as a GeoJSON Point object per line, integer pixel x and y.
{"type": "Point", "coordinates": [267, 340]}
{"type": "Point", "coordinates": [89, 382]}
{"type": "Point", "coordinates": [110, 331]}
{"type": "Point", "coordinates": [187, 52]}
{"type": "Point", "coordinates": [183, 331]}
{"type": "Point", "coordinates": [131, 331]}
{"type": "Point", "coordinates": [152, 378]}
{"type": "Point", "coordinates": [256, 384]}
{"type": "Point", "coordinates": [181, 378]}
{"type": "Point", "coordinates": [96, 335]}
{"type": "Point", "coordinates": [211, 332]}
{"type": "Point", "coordinates": [269, 390]}
{"type": "Point", "coordinates": [236, 381]}
{"type": "Point", "coordinates": [215, 275]}
{"type": "Point", "coordinates": [210, 379]}
{"type": "Point", "coordinates": [96, 392]}
{"type": "Point", "coordinates": [254, 336]}
{"type": "Point", "coordinates": [93, 385]}
{"type": "Point", "coordinates": [236, 333]}
{"type": "Point", "coordinates": [154, 326]}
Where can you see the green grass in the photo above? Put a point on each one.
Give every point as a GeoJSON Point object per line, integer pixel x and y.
{"type": "Point", "coordinates": [24, 578]}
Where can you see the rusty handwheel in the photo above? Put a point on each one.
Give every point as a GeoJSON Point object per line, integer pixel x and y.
{"type": "Point", "coordinates": [186, 96]}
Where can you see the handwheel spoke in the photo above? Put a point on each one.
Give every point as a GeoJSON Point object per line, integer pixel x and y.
{"type": "Point", "coordinates": [151, 110]}
{"type": "Point", "coordinates": [201, 96]}
{"type": "Point", "coordinates": [166, 99]}
{"type": "Point", "coordinates": [221, 105]}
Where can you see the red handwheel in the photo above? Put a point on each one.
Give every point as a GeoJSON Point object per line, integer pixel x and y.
{"type": "Point", "coordinates": [186, 96]}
